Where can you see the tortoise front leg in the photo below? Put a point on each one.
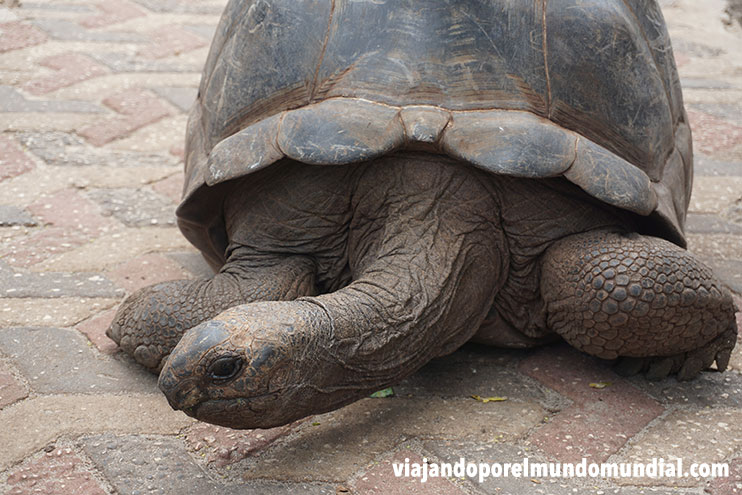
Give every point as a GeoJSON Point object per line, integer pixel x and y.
{"type": "Point", "coordinates": [420, 290]}
{"type": "Point", "coordinates": [151, 321]}
{"type": "Point", "coordinates": [631, 296]}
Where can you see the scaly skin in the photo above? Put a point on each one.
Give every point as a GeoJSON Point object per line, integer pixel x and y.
{"type": "Point", "coordinates": [409, 253]}
{"type": "Point", "coordinates": [626, 295]}
{"type": "Point", "coordinates": [151, 321]}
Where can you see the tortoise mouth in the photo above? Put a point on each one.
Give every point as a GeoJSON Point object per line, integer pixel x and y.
{"type": "Point", "coordinates": [240, 412]}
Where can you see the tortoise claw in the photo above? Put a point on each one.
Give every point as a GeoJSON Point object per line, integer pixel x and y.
{"type": "Point", "coordinates": [687, 365]}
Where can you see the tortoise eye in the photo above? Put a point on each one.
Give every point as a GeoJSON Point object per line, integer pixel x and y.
{"type": "Point", "coordinates": [225, 368]}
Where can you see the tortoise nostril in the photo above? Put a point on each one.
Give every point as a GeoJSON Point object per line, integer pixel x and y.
{"type": "Point", "coordinates": [225, 368]}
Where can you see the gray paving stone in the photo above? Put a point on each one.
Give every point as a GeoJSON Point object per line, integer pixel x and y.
{"type": "Point", "coordinates": [694, 48]}
{"type": "Point", "coordinates": [726, 111]}
{"type": "Point", "coordinates": [12, 215]}
{"type": "Point", "coordinates": [178, 7]}
{"type": "Point", "coordinates": [135, 207]}
{"type": "Point", "coordinates": [193, 262]}
{"type": "Point", "coordinates": [59, 7]}
{"type": "Point", "coordinates": [706, 223]}
{"type": "Point", "coordinates": [710, 389]}
{"type": "Point", "coordinates": [130, 62]}
{"type": "Point", "coordinates": [65, 149]}
{"type": "Point", "coordinates": [479, 370]}
{"type": "Point", "coordinates": [65, 30]}
{"type": "Point", "coordinates": [61, 361]}
{"type": "Point", "coordinates": [161, 465]}
{"type": "Point", "coordinates": [703, 83]}
{"type": "Point", "coordinates": [729, 271]}
{"type": "Point", "coordinates": [705, 165]}
{"type": "Point", "coordinates": [51, 284]}
{"type": "Point", "coordinates": [206, 31]}
{"type": "Point", "coordinates": [12, 101]}
{"type": "Point", "coordinates": [181, 97]}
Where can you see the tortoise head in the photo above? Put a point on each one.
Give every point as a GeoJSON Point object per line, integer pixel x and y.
{"type": "Point", "coordinates": [237, 369]}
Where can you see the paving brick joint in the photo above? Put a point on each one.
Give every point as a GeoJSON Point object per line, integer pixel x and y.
{"type": "Point", "coordinates": [94, 96]}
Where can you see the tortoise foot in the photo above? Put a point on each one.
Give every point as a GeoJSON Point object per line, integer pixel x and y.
{"type": "Point", "coordinates": [685, 365]}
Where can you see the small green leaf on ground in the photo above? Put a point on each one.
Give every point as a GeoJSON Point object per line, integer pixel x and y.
{"type": "Point", "coordinates": [387, 392]}
{"type": "Point", "coordinates": [600, 385]}
{"type": "Point", "coordinates": [488, 399]}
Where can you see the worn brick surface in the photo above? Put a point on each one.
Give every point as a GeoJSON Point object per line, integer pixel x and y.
{"type": "Point", "coordinates": [41, 420]}
{"type": "Point", "coordinates": [704, 436]}
{"type": "Point", "coordinates": [135, 207]}
{"type": "Point", "coordinates": [728, 485]}
{"type": "Point", "coordinates": [147, 270]}
{"type": "Point", "coordinates": [12, 101]}
{"type": "Point", "coordinates": [52, 371]}
{"type": "Point", "coordinates": [68, 209]}
{"type": "Point", "coordinates": [170, 41]}
{"type": "Point", "coordinates": [50, 284]}
{"type": "Point", "coordinates": [138, 108]}
{"type": "Point", "coordinates": [112, 12]}
{"type": "Point", "coordinates": [68, 30]}
{"type": "Point", "coordinates": [60, 471]}
{"type": "Point", "coordinates": [62, 149]}
{"type": "Point", "coordinates": [601, 420]}
{"type": "Point", "coordinates": [62, 311]}
{"type": "Point", "coordinates": [19, 34]}
{"type": "Point", "coordinates": [11, 389]}
{"type": "Point", "coordinates": [70, 68]}
{"type": "Point", "coordinates": [172, 188]}
{"type": "Point", "coordinates": [334, 445]}
{"type": "Point", "coordinates": [712, 134]}
{"type": "Point", "coordinates": [13, 160]}
{"type": "Point", "coordinates": [41, 244]}
{"type": "Point", "coordinates": [380, 480]}
{"type": "Point", "coordinates": [94, 329]}
{"type": "Point", "coordinates": [12, 215]}
{"type": "Point", "coordinates": [116, 248]}
{"type": "Point", "coordinates": [161, 465]}
{"type": "Point", "coordinates": [94, 96]}
{"type": "Point", "coordinates": [223, 446]}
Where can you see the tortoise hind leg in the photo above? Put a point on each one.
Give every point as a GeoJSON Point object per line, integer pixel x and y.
{"type": "Point", "coordinates": [151, 321]}
{"type": "Point", "coordinates": [617, 295]}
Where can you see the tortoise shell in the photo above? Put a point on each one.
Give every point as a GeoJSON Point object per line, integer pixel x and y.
{"type": "Point", "coordinates": [585, 89]}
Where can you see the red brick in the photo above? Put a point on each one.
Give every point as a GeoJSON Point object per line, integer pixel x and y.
{"type": "Point", "coordinates": [730, 484]}
{"type": "Point", "coordinates": [381, 480]}
{"type": "Point", "coordinates": [71, 68]}
{"type": "Point", "coordinates": [95, 330]}
{"type": "Point", "coordinates": [171, 187]}
{"type": "Point", "coordinates": [601, 421]}
{"type": "Point", "coordinates": [112, 12]}
{"type": "Point", "coordinates": [11, 390]}
{"type": "Point", "coordinates": [15, 35]}
{"type": "Point", "coordinates": [146, 270]}
{"type": "Point", "coordinates": [138, 108]}
{"type": "Point", "coordinates": [58, 472]}
{"type": "Point", "coordinates": [223, 446]}
{"type": "Point", "coordinates": [13, 160]}
{"type": "Point", "coordinates": [178, 151]}
{"type": "Point", "coordinates": [169, 41]}
{"type": "Point", "coordinates": [41, 245]}
{"type": "Point", "coordinates": [712, 134]}
{"type": "Point", "coordinates": [68, 209]}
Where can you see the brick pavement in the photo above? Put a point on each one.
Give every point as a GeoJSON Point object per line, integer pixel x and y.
{"type": "Point", "coordinates": [93, 101]}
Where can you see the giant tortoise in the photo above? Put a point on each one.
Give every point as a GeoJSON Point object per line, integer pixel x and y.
{"type": "Point", "coordinates": [377, 182]}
